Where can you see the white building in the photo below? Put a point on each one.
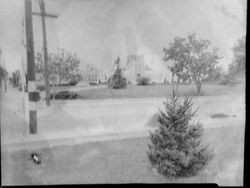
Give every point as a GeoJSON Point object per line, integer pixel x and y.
{"type": "Point", "coordinates": [136, 68]}
{"type": "Point", "coordinates": [92, 75]}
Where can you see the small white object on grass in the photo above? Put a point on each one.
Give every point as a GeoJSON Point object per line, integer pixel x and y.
{"type": "Point", "coordinates": [36, 158]}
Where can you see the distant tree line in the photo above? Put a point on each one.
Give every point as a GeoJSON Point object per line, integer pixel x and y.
{"type": "Point", "coordinates": [238, 65]}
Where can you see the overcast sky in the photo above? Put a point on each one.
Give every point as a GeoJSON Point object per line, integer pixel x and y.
{"type": "Point", "coordinates": [100, 30]}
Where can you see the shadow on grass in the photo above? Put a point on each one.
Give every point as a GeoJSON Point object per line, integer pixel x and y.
{"type": "Point", "coordinates": [220, 115]}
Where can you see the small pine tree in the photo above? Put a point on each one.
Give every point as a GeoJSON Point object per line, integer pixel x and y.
{"type": "Point", "coordinates": [176, 149]}
{"type": "Point", "coordinates": [117, 81]}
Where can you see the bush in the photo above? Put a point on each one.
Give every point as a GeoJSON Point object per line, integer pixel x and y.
{"type": "Point", "coordinates": [143, 81]}
{"type": "Point", "coordinates": [117, 83]}
{"type": "Point", "coordinates": [73, 82]}
{"type": "Point", "coordinates": [25, 88]}
{"type": "Point", "coordinates": [228, 80]}
{"type": "Point", "coordinates": [70, 83]}
{"type": "Point", "coordinates": [93, 83]}
{"type": "Point", "coordinates": [41, 87]}
{"type": "Point", "coordinates": [117, 80]}
{"type": "Point", "coordinates": [175, 149]}
{"type": "Point", "coordinates": [129, 82]}
{"type": "Point", "coordinates": [65, 95]}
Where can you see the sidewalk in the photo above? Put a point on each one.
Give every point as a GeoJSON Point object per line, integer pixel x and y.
{"type": "Point", "coordinates": [71, 122]}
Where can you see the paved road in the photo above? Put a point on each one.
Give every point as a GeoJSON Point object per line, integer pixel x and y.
{"type": "Point", "coordinates": [87, 120]}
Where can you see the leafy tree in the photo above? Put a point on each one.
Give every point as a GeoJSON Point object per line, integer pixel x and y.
{"type": "Point", "coordinates": [216, 75]}
{"type": "Point", "coordinates": [62, 66]}
{"type": "Point", "coordinates": [117, 80]}
{"type": "Point", "coordinates": [238, 65]}
{"type": "Point", "coordinates": [193, 59]}
{"type": "Point", "coordinates": [3, 74]}
{"type": "Point", "coordinates": [15, 79]}
{"type": "Point", "coordinates": [176, 149]}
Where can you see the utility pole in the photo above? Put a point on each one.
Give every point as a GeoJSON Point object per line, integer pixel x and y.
{"type": "Point", "coordinates": [1, 66]}
{"type": "Point", "coordinates": [5, 76]}
{"type": "Point", "coordinates": [45, 51]}
{"type": "Point", "coordinates": [24, 74]}
{"type": "Point", "coordinates": [30, 67]}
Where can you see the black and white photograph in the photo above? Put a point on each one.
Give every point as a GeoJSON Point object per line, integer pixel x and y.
{"type": "Point", "coordinates": [122, 91]}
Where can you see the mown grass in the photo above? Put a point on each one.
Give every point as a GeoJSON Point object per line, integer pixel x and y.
{"type": "Point", "coordinates": [159, 90]}
{"type": "Point", "coordinates": [122, 161]}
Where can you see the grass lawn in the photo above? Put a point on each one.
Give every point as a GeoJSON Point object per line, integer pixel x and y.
{"type": "Point", "coordinates": [159, 90]}
{"type": "Point", "coordinates": [121, 161]}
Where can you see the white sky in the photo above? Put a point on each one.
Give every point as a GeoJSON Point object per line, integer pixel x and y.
{"type": "Point", "coordinates": [100, 30]}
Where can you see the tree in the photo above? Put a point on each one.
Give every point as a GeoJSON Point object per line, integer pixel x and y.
{"type": "Point", "coordinates": [193, 59]}
{"type": "Point", "coordinates": [3, 75]}
{"type": "Point", "coordinates": [117, 80]}
{"type": "Point", "coordinates": [2, 72]}
{"type": "Point", "coordinates": [15, 79]}
{"type": "Point", "coordinates": [62, 66]}
{"type": "Point", "coordinates": [176, 149]}
{"type": "Point", "coordinates": [215, 75]}
{"type": "Point", "coordinates": [238, 65]}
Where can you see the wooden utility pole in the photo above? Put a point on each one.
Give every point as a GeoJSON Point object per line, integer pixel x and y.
{"type": "Point", "coordinates": [1, 66]}
{"type": "Point", "coordinates": [45, 51]}
{"type": "Point", "coordinates": [24, 74]}
{"type": "Point", "coordinates": [30, 67]}
{"type": "Point", "coordinates": [5, 76]}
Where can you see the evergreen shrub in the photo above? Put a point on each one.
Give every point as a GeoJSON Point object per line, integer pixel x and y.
{"type": "Point", "coordinates": [117, 80]}
{"type": "Point", "coordinates": [176, 149]}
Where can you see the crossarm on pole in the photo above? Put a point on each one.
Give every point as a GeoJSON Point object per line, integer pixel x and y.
{"type": "Point", "coordinates": [47, 15]}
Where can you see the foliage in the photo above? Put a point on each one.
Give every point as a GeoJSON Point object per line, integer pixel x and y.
{"type": "Point", "coordinates": [65, 95]}
{"type": "Point", "coordinates": [3, 72]}
{"type": "Point", "coordinates": [216, 75]}
{"type": "Point", "coordinates": [193, 60]}
{"type": "Point", "coordinates": [62, 66]}
{"type": "Point", "coordinates": [176, 149]}
{"type": "Point", "coordinates": [238, 65]}
{"type": "Point", "coordinates": [70, 83]}
{"type": "Point", "coordinates": [25, 88]}
{"type": "Point", "coordinates": [41, 87]}
{"type": "Point", "coordinates": [117, 80]}
{"type": "Point", "coordinates": [15, 78]}
{"type": "Point", "coordinates": [143, 81]}
{"type": "Point", "coordinates": [228, 80]}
